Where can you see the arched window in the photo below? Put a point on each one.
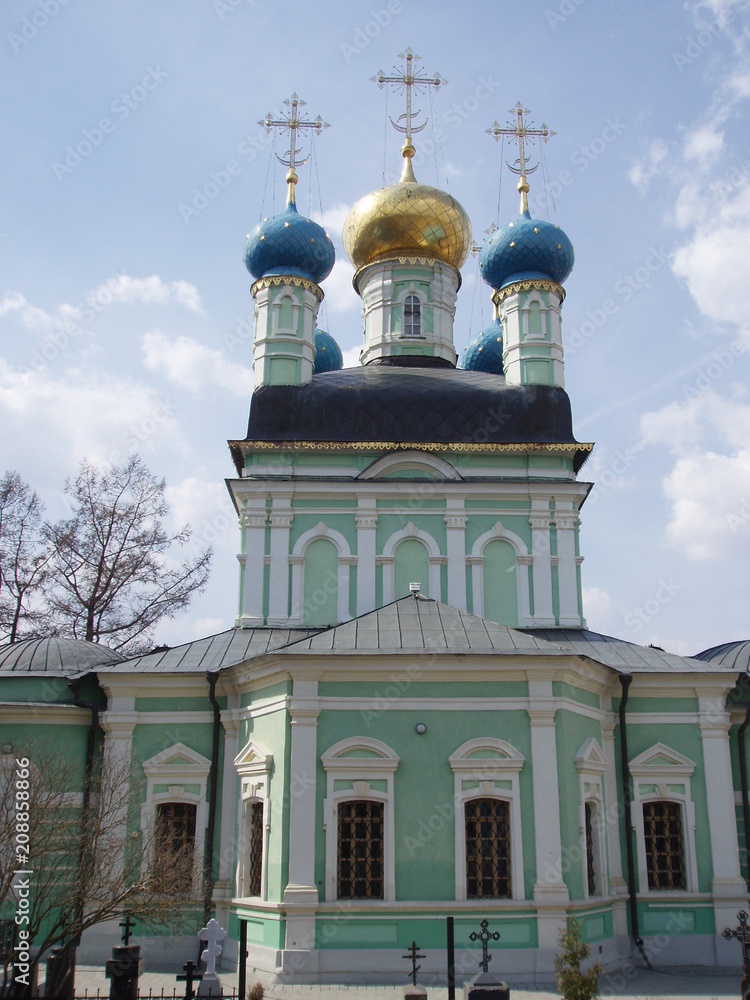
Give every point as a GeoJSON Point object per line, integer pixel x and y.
{"type": "Point", "coordinates": [412, 565]}
{"type": "Point", "coordinates": [665, 846]}
{"type": "Point", "coordinates": [175, 833]}
{"type": "Point", "coordinates": [487, 849]}
{"type": "Point", "coordinates": [500, 585]}
{"type": "Point", "coordinates": [412, 316]}
{"type": "Point", "coordinates": [360, 853]}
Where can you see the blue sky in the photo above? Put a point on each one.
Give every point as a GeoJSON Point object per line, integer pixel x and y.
{"type": "Point", "coordinates": [133, 166]}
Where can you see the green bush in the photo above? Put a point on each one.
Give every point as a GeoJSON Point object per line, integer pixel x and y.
{"type": "Point", "coordinates": [571, 982]}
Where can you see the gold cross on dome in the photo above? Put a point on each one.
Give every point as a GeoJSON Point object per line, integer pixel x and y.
{"type": "Point", "coordinates": [292, 123]}
{"type": "Point", "coordinates": [412, 80]}
{"type": "Point", "coordinates": [521, 132]}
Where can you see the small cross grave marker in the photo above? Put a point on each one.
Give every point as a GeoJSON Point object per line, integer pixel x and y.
{"type": "Point", "coordinates": [413, 954]}
{"type": "Point", "coordinates": [485, 936]}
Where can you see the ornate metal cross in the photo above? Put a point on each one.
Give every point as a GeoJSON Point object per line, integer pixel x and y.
{"type": "Point", "coordinates": [413, 955]}
{"type": "Point", "coordinates": [409, 79]}
{"type": "Point", "coordinates": [127, 926]}
{"type": "Point", "coordinates": [484, 937]}
{"type": "Point", "coordinates": [742, 933]}
{"type": "Point", "coordinates": [292, 123]}
{"type": "Point", "coordinates": [521, 132]}
{"type": "Point", "coordinates": [191, 976]}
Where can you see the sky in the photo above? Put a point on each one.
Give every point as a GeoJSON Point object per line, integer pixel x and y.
{"type": "Point", "coordinates": [133, 166]}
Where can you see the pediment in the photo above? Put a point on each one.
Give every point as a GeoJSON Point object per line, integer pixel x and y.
{"type": "Point", "coordinates": [485, 753]}
{"type": "Point", "coordinates": [409, 465]}
{"type": "Point", "coordinates": [591, 757]}
{"type": "Point", "coordinates": [179, 758]}
{"type": "Point", "coordinates": [360, 753]}
{"type": "Point", "coordinates": [661, 759]}
{"type": "Point", "coordinates": [253, 759]}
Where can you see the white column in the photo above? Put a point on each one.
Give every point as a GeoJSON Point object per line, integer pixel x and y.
{"type": "Point", "coordinates": [224, 886]}
{"type": "Point", "coordinates": [367, 522]}
{"type": "Point", "coordinates": [118, 723]}
{"type": "Point", "coordinates": [617, 883]}
{"type": "Point", "coordinates": [542, 564]}
{"type": "Point", "coordinates": [550, 892]}
{"type": "Point", "coordinates": [253, 521]}
{"type": "Point", "coordinates": [566, 519]}
{"type": "Point", "coordinates": [278, 590]}
{"type": "Point", "coordinates": [301, 893]}
{"type": "Point", "coordinates": [455, 522]}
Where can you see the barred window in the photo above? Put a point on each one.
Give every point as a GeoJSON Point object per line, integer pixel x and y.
{"type": "Point", "coordinates": [412, 316]}
{"type": "Point", "coordinates": [255, 849]}
{"type": "Point", "coordinates": [175, 830]}
{"type": "Point", "coordinates": [590, 866]}
{"type": "Point", "coordinates": [665, 846]}
{"type": "Point", "coordinates": [487, 849]}
{"type": "Point", "coordinates": [360, 850]}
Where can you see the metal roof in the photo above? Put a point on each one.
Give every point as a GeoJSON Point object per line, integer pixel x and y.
{"type": "Point", "coordinates": [215, 652]}
{"type": "Point", "coordinates": [55, 655]}
{"type": "Point", "coordinates": [730, 655]}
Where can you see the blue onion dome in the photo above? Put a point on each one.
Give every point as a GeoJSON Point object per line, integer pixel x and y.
{"type": "Point", "coordinates": [525, 249]}
{"type": "Point", "coordinates": [328, 356]}
{"type": "Point", "coordinates": [291, 245]}
{"type": "Point", "coordinates": [484, 353]}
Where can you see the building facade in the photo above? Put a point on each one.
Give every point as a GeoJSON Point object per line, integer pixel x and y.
{"type": "Point", "coordinates": [409, 719]}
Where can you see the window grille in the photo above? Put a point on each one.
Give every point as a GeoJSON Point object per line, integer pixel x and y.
{"type": "Point", "coordinates": [590, 868]}
{"type": "Point", "coordinates": [175, 830]}
{"type": "Point", "coordinates": [487, 849]}
{"type": "Point", "coordinates": [255, 857]}
{"type": "Point", "coordinates": [665, 848]}
{"type": "Point", "coordinates": [412, 316]}
{"type": "Point", "coordinates": [360, 850]}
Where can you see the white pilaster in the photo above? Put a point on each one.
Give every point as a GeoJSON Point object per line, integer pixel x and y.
{"type": "Point", "coordinates": [118, 723]}
{"type": "Point", "coordinates": [367, 522]}
{"type": "Point", "coordinates": [253, 522]}
{"type": "Point", "coordinates": [542, 564]}
{"type": "Point", "coordinates": [301, 893]}
{"type": "Point", "coordinates": [278, 590]}
{"type": "Point", "coordinates": [617, 883]}
{"type": "Point", "coordinates": [455, 522]}
{"type": "Point", "coordinates": [550, 892]}
{"type": "Point", "coordinates": [566, 520]}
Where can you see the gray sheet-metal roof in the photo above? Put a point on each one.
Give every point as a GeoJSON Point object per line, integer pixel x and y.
{"type": "Point", "coordinates": [215, 652]}
{"type": "Point", "coordinates": [730, 655]}
{"type": "Point", "coordinates": [421, 625]}
{"type": "Point", "coordinates": [625, 657]}
{"type": "Point", "coordinates": [55, 655]}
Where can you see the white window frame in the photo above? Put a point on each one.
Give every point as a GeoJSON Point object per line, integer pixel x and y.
{"type": "Point", "coordinates": [500, 762]}
{"type": "Point", "coordinates": [591, 764]}
{"type": "Point", "coordinates": [254, 765]}
{"type": "Point", "coordinates": [176, 767]}
{"type": "Point", "coordinates": [411, 294]}
{"type": "Point", "coordinates": [297, 560]}
{"type": "Point", "coordinates": [667, 769]}
{"type": "Point", "coordinates": [523, 563]}
{"type": "Point", "coordinates": [341, 764]}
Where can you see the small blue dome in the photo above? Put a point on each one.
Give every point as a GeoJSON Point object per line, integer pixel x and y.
{"type": "Point", "coordinates": [485, 352]}
{"type": "Point", "coordinates": [290, 244]}
{"type": "Point", "coordinates": [527, 248]}
{"type": "Point", "coordinates": [328, 356]}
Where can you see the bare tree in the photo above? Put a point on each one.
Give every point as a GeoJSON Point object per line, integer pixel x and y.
{"type": "Point", "coordinates": [110, 578]}
{"type": "Point", "coordinates": [24, 557]}
{"type": "Point", "coordinates": [85, 867]}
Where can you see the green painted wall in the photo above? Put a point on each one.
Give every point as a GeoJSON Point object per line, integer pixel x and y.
{"type": "Point", "coordinates": [500, 584]}
{"type": "Point", "coordinates": [412, 565]}
{"type": "Point", "coordinates": [321, 583]}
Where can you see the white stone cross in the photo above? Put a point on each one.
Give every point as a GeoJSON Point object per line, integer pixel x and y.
{"type": "Point", "coordinates": [212, 934]}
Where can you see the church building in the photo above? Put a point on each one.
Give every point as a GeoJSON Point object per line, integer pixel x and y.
{"type": "Point", "coordinates": [409, 719]}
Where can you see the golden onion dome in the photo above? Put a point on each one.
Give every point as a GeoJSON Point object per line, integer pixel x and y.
{"type": "Point", "coordinates": [407, 219]}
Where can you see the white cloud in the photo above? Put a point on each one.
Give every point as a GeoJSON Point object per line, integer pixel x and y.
{"type": "Point", "coordinates": [708, 488]}
{"type": "Point", "coordinates": [340, 295]}
{"type": "Point", "coordinates": [351, 356]}
{"type": "Point", "coordinates": [703, 144]}
{"type": "Point", "coordinates": [193, 365]}
{"type": "Point", "coordinates": [651, 164]}
{"type": "Point", "coordinates": [120, 288]}
{"type": "Point", "coordinates": [333, 219]}
{"type": "Point", "coordinates": [79, 415]}
{"type": "Point", "coordinates": [207, 507]}
{"type": "Point", "coordinates": [597, 608]}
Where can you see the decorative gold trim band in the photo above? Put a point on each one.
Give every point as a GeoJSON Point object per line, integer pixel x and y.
{"type": "Point", "coordinates": [526, 286]}
{"type": "Point", "coordinates": [457, 447]}
{"type": "Point", "coordinates": [282, 279]}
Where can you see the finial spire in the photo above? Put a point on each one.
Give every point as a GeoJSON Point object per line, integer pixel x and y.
{"type": "Point", "coordinates": [411, 80]}
{"type": "Point", "coordinates": [521, 132]}
{"type": "Point", "coordinates": [292, 123]}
